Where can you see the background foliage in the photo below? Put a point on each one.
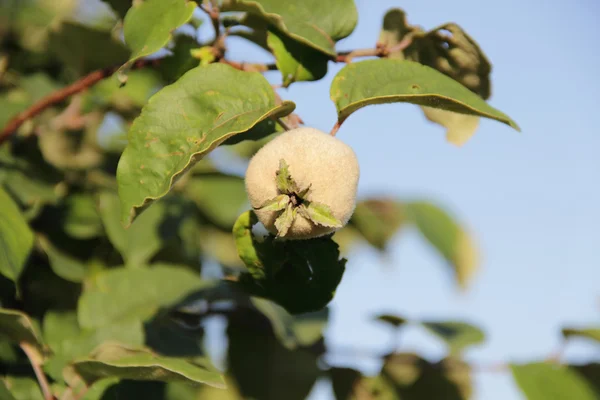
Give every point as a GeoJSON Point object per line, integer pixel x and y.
{"type": "Point", "coordinates": [94, 310]}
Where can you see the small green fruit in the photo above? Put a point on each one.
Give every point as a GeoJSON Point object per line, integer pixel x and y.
{"type": "Point", "coordinates": [325, 172]}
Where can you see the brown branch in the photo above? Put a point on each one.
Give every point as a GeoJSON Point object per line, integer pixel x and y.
{"type": "Point", "coordinates": [61, 95]}
{"type": "Point", "coordinates": [34, 359]}
{"type": "Point", "coordinates": [336, 128]}
{"type": "Point", "coordinates": [250, 67]}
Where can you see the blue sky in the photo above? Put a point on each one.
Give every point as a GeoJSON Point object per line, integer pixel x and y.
{"type": "Point", "coordinates": [530, 198]}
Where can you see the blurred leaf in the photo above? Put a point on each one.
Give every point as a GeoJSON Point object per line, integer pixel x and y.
{"type": "Point", "coordinates": [457, 335]}
{"type": "Point", "coordinates": [293, 331]}
{"type": "Point", "coordinates": [447, 237]}
{"type": "Point", "coordinates": [97, 390]}
{"type": "Point", "coordinates": [148, 25]}
{"type": "Point", "coordinates": [18, 327]}
{"type": "Point", "coordinates": [392, 320]}
{"type": "Point", "coordinates": [16, 238]}
{"type": "Point", "coordinates": [308, 22]}
{"type": "Point", "coordinates": [219, 197]}
{"type": "Point", "coordinates": [71, 150]}
{"type": "Point", "coordinates": [544, 381]}
{"type": "Point", "coordinates": [4, 393]}
{"type": "Point", "coordinates": [119, 6]}
{"type": "Point", "coordinates": [388, 81]}
{"type": "Point", "coordinates": [138, 243]}
{"type": "Point", "coordinates": [343, 381]}
{"type": "Point", "coordinates": [459, 127]}
{"type": "Point", "coordinates": [80, 217]}
{"type": "Point", "coordinates": [394, 30]}
{"type": "Point", "coordinates": [112, 300]}
{"type": "Point", "coordinates": [63, 264]}
{"type": "Point", "coordinates": [377, 220]}
{"type": "Point", "coordinates": [162, 143]}
{"type": "Point", "coordinates": [246, 246]}
{"type": "Point", "coordinates": [111, 359]}
{"type": "Point", "coordinates": [589, 333]}
{"type": "Point", "coordinates": [84, 49]}
{"type": "Point", "coordinates": [296, 61]}
{"type": "Point", "coordinates": [23, 388]}
{"type": "Point", "coordinates": [591, 373]}
{"type": "Point", "coordinates": [68, 341]}
{"type": "Point", "coordinates": [181, 61]}
{"type": "Point", "coordinates": [272, 371]}
{"type": "Point", "coordinates": [141, 85]}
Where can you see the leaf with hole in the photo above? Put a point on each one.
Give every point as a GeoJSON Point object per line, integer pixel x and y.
{"type": "Point", "coordinates": [185, 121]}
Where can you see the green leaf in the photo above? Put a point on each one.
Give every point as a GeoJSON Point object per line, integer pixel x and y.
{"type": "Point", "coordinates": [414, 378]}
{"type": "Point", "coordinates": [119, 6]}
{"type": "Point", "coordinates": [16, 238]}
{"type": "Point", "coordinates": [545, 381]}
{"type": "Point", "coordinates": [285, 182]}
{"type": "Point", "coordinates": [392, 320]}
{"type": "Point", "coordinates": [148, 25]}
{"type": "Point", "coordinates": [378, 220]}
{"type": "Point", "coordinates": [80, 216]}
{"type": "Point", "coordinates": [246, 246]}
{"type": "Point", "coordinates": [111, 299]}
{"type": "Point", "coordinates": [589, 333]}
{"type": "Point", "coordinates": [23, 388]}
{"type": "Point", "coordinates": [284, 222]}
{"type": "Point", "coordinates": [112, 359]}
{"type": "Point", "coordinates": [394, 30]}
{"type": "Point", "coordinates": [276, 204]}
{"type": "Point", "coordinates": [63, 264]}
{"type": "Point", "coordinates": [309, 22]}
{"type": "Point", "coordinates": [184, 122]}
{"type": "Point", "coordinates": [18, 327]}
{"type": "Point", "coordinates": [343, 382]}
{"type": "Point", "coordinates": [68, 341]}
{"type": "Point", "coordinates": [299, 275]}
{"type": "Point", "coordinates": [320, 214]}
{"type": "Point", "coordinates": [218, 196]}
{"type": "Point", "coordinates": [362, 83]}
{"type": "Point", "coordinates": [447, 237]}
{"type": "Point", "coordinates": [84, 49]}
{"type": "Point", "coordinates": [138, 243]}
{"type": "Point", "coordinates": [181, 61]}
{"type": "Point", "coordinates": [296, 61]}
{"type": "Point", "coordinates": [4, 393]}
{"type": "Point", "coordinates": [591, 373]}
{"type": "Point", "coordinates": [457, 335]}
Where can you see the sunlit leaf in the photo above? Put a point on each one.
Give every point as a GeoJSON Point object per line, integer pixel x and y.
{"type": "Point", "coordinates": [23, 388]}
{"type": "Point", "coordinates": [16, 238]}
{"type": "Point", "coordinates": [457, 335]}
{"type": "Point", "coordinates": [111, 359]}
{"type": "Point", "coordinates": [309, 22]}
{"type": "Point", "coordinates": [447, 237]}
{"type": "Point", "coordinates": [362, 83]}
{"type": "Point", "coordinates": [165, 140]}
{"type": "Point", "coordinates": [111, 298]}
{"type": "Point", "coordinates": [18, 327]}
{"type": "Point", "coordinates": [545, 381]}
{"type": "Point", "coordinates": [320, 214]}
{"type": "Point", "coordinates": [459, 127]}
{"type": "Point", "coordinates": [377, 220]}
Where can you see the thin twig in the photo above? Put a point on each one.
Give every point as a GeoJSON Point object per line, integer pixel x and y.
{"type": "Point", "coordinates": [336, 127]}
{"type": "Point", "coordinates": [250, 67]}
{"type": "Point", "coordinates": [349, 55]}
{"type": "Point", "coordinates": [61, 95]}
{"type": "Point", "coordinates": [30, 352]}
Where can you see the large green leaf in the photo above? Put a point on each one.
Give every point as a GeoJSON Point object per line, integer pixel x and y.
{"type": "Point", "coordinates": [124, 294]}
{"type": "Point", "coordinates": [16, 238]}
{"type": "Point", "coordinates": [589, 333]}
{"type": "Point", "coordinates": [138, 243]}
{"type": "Point", "coordinates": [148, 24]}
{"type": "Point", "coordinates": [18, 327]}
{"type": "Point", "coordinates": [112, 359]}
{"type": "Point", "coordinates": [185, 121]}
{"type": "Point", "coordinates": [447, 237]}
{"type": "Point", "coordinates": [545, 381]}
{"type": "Point", "coordinates": [68, 341]}
{"type": "Point", "coordinates": [457, 335]}
{"type": "Point", "coordinates": [296, 61]}
{"type": "Point", "coordinates": [310, 22]}
{"type": "Point", "coordinates": [382, 81]}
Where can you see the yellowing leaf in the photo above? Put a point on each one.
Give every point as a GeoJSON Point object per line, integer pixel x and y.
{"type": "Point", "coordinates": [459, 127]}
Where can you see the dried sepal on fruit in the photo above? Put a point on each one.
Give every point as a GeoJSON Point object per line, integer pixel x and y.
{"type": "Point", "coordinates": [303, 184]}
